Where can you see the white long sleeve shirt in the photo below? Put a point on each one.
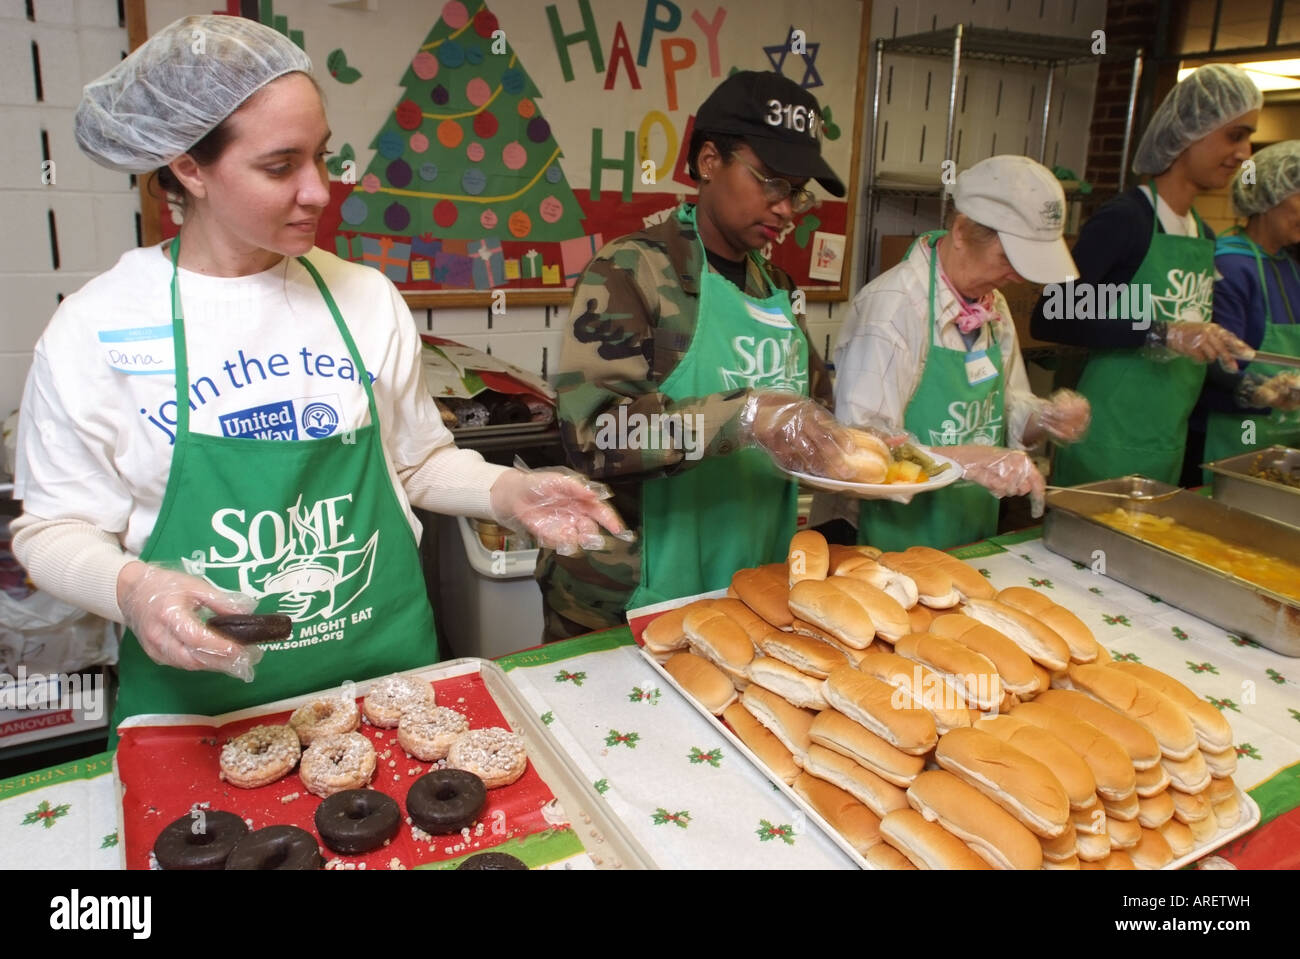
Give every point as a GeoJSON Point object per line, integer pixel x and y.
{"type": "Point", "coordinates": [265, 359]}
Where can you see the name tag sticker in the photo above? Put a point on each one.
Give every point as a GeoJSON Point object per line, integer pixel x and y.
{"type": "Point", "coordinates": [142, 350]}
{"type": "Point", "coordinates": [979, 368]}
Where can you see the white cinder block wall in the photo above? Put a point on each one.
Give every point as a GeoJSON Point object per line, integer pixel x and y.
{"type": "Point", "coordinates": [94, 210]}
{"type": "Point", "coordinates": [58, 235]}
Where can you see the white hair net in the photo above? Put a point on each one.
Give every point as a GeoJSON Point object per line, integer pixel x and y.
{"type": "Point", "coordinates": [1267, 178]}
{"type": "Point", "coordinates": [177, 87]}
{"type": "Point", "coordinates": [1199, 104]}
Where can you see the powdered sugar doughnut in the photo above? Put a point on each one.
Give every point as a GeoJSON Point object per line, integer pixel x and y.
{"type": "Point", "coordinates": [326, 716]}
{"type": "Point", "coordinates": [428, 733]}
{"type": "Point", "coordinates": [334, 763]}
{"type": "Point", "coordinates": [495, 755]}
{"type": "Point", "coordinates": [260, 756]}
{"type": "Point", "coordinates": [393, 695]}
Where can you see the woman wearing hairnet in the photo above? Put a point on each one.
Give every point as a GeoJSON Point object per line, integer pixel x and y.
{"type": "Point", "coordinates": [1150, 345]}
{"type": "Point", "coordinates": [1257, 297]}
{"type": "Point", "coordinates": [242, 406]}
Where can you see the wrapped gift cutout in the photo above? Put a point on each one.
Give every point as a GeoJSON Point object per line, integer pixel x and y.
{"type": "Point", "coordinates": [453, 270]}
{"type": "Point", "coordinates": [551, 275]}
{"type": "Point", "coordinates": [512, 270]}
{"type": "Point", "coordinates": [576, 254]}
{"type": "Point", "coordinates": [489, 264]}
{"type": "Point", "coordinates": [532, 264]}
{"type": "Point", "coordinates": [425, 246]}
{"type": "Point", "coordinates": [384, 254]}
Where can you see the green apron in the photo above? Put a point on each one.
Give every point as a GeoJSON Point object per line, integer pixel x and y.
{"type": "Point", "coordinates": [310, 528]}
{"type": "Point", "coordinates": [946, 410]}
{"type": "Point", "coordinates": [1224, 431]}
{"type": "Point", "coordinates": [726, 512]}
{"type": "Point", "coordinates": [1140, 406]}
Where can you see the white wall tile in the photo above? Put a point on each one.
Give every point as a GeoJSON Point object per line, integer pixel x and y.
{"type": "Point", "coordinates": [97, 13]}
{"type": "Point", "coordinates": [13, 10]}
{"type": "Point", "coordinates": [100, 51]}
{"type": "Point", "coordinates": [63, 11]}
{"type": "Point", "coordinates": [24, 243]}
{"type": "Point", "coordinates": [454, 321]}
{"type": "Point", "coordinates": [114, 223]}
{"type": "Point", "coordinates": [16, 83]}
{"type": "Point", "coordinates": [519, 319]}
{"type": "Point", "coordinates": [20, 146]}
{"type": "Point", "coordinates": [61, 69]}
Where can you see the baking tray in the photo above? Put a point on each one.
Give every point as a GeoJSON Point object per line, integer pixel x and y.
{"type": "Point", "coordinates": [1240, 607]}
{"type": "Point", "coordinates": [638, 619]}
{"type": "Point", "coordinates": [1234, 486]}
{"type": "Point", "coordinates": [177, 743]}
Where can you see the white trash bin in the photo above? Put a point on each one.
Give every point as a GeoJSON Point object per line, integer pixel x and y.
{"type": "Point", "coordinates": [488, 602]}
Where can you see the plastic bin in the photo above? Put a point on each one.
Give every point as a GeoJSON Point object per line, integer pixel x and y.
{"type": "Point", "coordinates": [488, 602]}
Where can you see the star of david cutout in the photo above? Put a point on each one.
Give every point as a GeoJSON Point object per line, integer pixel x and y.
{"type": "Point", "coordinates": [776, 57]}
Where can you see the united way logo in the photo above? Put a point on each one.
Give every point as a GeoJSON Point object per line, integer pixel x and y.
{"type": "Point", "coordinates": [319, 420]}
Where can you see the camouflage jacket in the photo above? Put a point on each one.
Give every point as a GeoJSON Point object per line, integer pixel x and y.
{"type": "Point", "coordinates": [634, 314]}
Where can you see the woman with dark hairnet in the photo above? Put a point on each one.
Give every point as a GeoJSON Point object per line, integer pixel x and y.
{"type": "Point", "coordinates": [236, 420]}
{"type": "Point", "coordinates": [1143, 300]}
{"type": "Point", "coordinates": [1257, 297]}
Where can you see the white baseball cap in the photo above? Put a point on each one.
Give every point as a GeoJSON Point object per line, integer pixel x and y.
{"type": "Point", "coordinates": [1025, 204]}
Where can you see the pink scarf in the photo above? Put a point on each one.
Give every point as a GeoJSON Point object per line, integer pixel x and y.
{"type": "Point", "coordinates": [972, 315]}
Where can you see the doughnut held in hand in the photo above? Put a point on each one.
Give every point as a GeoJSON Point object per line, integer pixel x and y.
{"type": "Point", "coordinates": [446, 800]}
{"type": "Point", "coordinates": [252, 627]}
{"type": "Point", "coordinates": [199, 840]}
{"type": "Point", "coordinates": [357, 820]}
{"type": "Point", "coordinates": [285, 848]}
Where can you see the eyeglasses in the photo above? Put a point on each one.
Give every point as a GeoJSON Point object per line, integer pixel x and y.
{"type": "Point", "coordinates": [776, 189]}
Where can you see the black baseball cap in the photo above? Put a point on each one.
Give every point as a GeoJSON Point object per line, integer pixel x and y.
{"type": "Point", "coordinates": [781, 122]}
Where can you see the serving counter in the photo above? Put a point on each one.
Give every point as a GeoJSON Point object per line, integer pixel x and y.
{"type": "Point", "coordinates": [692, 802]}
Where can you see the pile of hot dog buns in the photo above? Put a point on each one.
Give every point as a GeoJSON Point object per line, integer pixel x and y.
{"type": "Point", "coordinates": [937, 723]}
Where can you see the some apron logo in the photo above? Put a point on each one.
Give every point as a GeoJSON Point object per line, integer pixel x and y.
{"type": "Point", "coordinates": [1188, 297]}
{"type": "Point", "coordinates": [972, 422]}
{"type": "Point", "coordinates": [299, 558]}
{"type": "Point", "coordinates": [766, 362]}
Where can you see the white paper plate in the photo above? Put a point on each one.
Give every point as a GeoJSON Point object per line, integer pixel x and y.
{"type": "Point", "coordinates": [883, 490]}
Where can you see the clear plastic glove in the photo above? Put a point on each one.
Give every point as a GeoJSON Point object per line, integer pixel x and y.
{"type": "Point", "coordinates": [161, 607]}
{"type": "Point", "coordinates": [1002, 472]}
{"type": "Point", "coordinates": [561, 509]}
{"type": "Point", "coordinates": [1203, 342]}
{"type": "Point", "coordinates": [1280, 391]}
{"type": "Point", "coordinates": [801, 436]}
{"type": "Point", "coordinates": [1065, 416]}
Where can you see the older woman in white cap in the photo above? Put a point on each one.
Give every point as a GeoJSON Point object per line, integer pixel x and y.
{"type": "Point", "coordinates": [1149, 348]}
{"type": "Point", "coordinates": [1256, 297]}
{"type": "Point", "coordinates": [242, 406]}
{"type": "Point", "coordinates": [929, 346]}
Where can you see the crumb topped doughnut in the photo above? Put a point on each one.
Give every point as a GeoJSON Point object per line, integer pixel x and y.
{"type": "Point", "coordinates": [334, 763]}
{"type": "Point", "coordinates": [392, 696]}
{"type": "Point", "coordinates": [325, 716]}
{"type": "Point", "coordinates": [260, 756]}
{"type": "Point", "coordinates": [495, 755]}
{"type": "Point", "coordinates": [427, 733]}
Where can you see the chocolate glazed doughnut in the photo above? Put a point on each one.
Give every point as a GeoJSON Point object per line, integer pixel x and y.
{"type": "Point", "coordinates": [446, 800]}
{"type": "Point", "coordinates": [357, 820]}
{"type": "Point", "coordinates": [180, 846]}
{"type": "Point", "coordinates": [494, 861]}
{"type": "Point", "coordinates": [278, 848]}
{"type": "Point", "coordinates": [252, 628]}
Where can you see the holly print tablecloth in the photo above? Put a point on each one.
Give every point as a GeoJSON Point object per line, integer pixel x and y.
{"type": "Point", "coordinates": [682, 789]}
{"type": "Point", "coordinates": [64, 817]}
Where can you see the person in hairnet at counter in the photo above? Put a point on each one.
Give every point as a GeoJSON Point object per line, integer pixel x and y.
{"type": "Point", "coordinates": [930, 346]}
{"type": "Point", "coordinates": [1151, 343]}
{"type": "Point", "coordinates": [1256, 297]}
{"type": "Point", "coordinates": [236, 419]}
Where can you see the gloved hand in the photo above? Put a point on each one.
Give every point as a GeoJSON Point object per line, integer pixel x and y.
{"type": "Point", "coordinates": [1204, 342]}
{"type": "Point", "coordinates": [161, 607]}
{"type": "Point", "coordinates": [1064, 415]}
{"type": "Point", "coordinates": [561, 509]}
{"type": "Point", "coordinates": [1002, 472]}
{"type": "Point", "coordinates": [803, 437]}
{"type": "Point", "coordinates": [1280, 391]}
